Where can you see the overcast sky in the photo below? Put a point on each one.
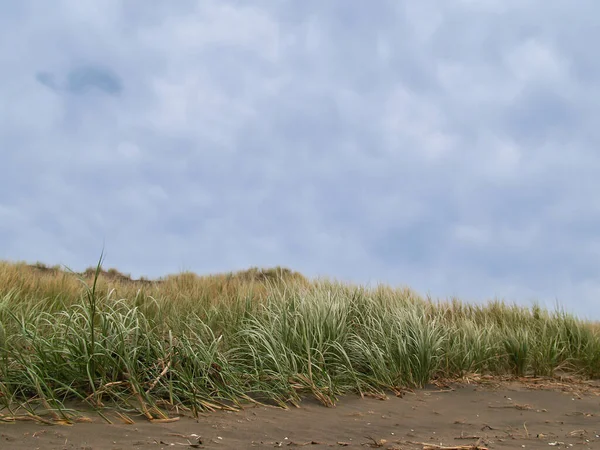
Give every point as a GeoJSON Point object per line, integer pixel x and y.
{"type": "Point", "coordinates": [451, 146]}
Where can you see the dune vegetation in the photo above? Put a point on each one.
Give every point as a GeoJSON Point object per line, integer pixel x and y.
{"type": "Point", "coordinates": [190, 343]}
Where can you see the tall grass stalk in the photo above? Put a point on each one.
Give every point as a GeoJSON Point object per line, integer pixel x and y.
{"type": "Point", "coordinates": [91, 296]}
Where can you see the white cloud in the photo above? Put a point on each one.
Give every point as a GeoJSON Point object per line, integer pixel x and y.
{"type": "Point", "coordinates": [449, 147]}
{"type": "Point", "coordinates": [532, 61]}
{"type": "Point", "coordinates": [414, 126]}
{"type": "Point", "coordinates": [471, 234]}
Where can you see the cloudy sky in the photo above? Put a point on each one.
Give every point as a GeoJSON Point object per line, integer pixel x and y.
{"type": "Point", "coordinates": [449, 146]}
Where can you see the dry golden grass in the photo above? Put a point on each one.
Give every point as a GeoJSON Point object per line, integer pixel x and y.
{"type": "Point", "coordinates": [49, 282]}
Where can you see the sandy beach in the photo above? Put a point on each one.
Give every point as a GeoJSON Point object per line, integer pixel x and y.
{"type": "Point", "coordinates": [493, 414]}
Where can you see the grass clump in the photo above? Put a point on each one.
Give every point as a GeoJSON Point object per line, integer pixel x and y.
{"type": "Point", "coordinates": [202, 343]}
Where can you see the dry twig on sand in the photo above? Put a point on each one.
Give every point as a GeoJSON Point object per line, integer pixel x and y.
{"type": "Point", "coordinates": [427, 446]}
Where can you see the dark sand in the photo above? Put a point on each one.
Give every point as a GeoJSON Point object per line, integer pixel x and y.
{"type": "Point", "coordinates": [494, 415]}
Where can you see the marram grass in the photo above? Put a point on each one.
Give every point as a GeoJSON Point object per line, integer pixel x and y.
{"type": "Point", "coordinates": [202, 343]}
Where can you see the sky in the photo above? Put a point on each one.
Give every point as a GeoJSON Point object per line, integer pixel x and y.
{"type": "Point", "coordinates": [447, 146]}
